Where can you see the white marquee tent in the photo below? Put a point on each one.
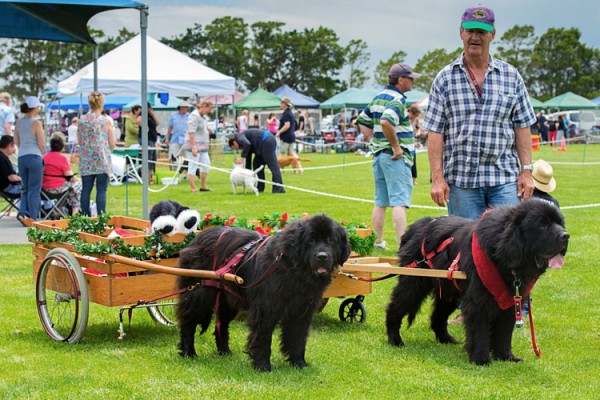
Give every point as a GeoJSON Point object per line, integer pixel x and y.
{"type": "Point", "coordinates": [169, 71]}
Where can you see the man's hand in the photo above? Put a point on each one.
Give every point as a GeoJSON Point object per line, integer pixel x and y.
{"type": "Point", "coordinates": [525, 184]}
{"type": "Point", "coordinates": [239, 161]}
{"type": "Point", "coordinates": [398, 153]}
{"type": "Point", "coordinates": [440, 191]}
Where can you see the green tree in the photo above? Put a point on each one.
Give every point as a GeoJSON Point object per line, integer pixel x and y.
{"type": "Point", "coordinates": [382, 69]}
{"type": "Point", "coordinates": [357, 58]}
{"type": "Point", "coordinates": [430, 64]}
{"type": "Point", "coordinates": [226, 41]}
{"type": "Point", "coordinates": [193, 43]}
{"type": "Point", "coordinates": [267, 53]}
{"type": "Point", "coordinates": [516, 48]}
{"type": "Point", "coordinates": [314, 59]}
{"type": "Point", "coordinates": [557, 62]}
{"type": "Point", "coordinates": [31, 65]}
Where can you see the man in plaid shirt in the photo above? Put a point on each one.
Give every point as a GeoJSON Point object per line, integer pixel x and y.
{"type": "Point", "coordinates": [478, 120]}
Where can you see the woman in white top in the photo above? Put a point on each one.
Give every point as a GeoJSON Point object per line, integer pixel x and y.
{"type": "Point", "coordinates": [72, 135]}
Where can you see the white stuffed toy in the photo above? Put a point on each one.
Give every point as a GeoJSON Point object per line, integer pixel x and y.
{"type": "Point", "coordinates": [169, 217]}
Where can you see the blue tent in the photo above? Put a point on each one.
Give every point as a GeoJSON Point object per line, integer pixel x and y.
{"type": "Point", "coordinates": [73, 102]}
{"type": "Point", "coordinates": [57, 20]}
{"type": "Point", "coordinates": [299, 100]}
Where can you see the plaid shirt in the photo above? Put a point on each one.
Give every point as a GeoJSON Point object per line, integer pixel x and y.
{"type": "Point", "coordinates": [479, 136]}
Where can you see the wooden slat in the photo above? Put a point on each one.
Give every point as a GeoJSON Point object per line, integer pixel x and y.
{"type": "Point", "coordinates": [343, 286]}
{"type": "Point", "coordinates": [385, 268]}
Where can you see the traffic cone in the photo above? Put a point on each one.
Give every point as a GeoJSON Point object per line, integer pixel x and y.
{"type": "Point", "coordinates": [563, 145]}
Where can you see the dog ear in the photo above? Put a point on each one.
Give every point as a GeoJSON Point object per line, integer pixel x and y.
{"type": "Point", "coordinates": [187, 221]}
{"type": "Point", "coordinates": [344, 245]}
{"type": "Point", "coordinates": [165, 224]}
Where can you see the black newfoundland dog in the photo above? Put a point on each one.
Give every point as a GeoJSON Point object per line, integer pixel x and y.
{"type": "Point", "coordinates": [284, 275]}
{"type": "Point", "coordinates": [506, 248]}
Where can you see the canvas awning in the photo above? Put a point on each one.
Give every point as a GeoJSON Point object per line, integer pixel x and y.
{"type": "Point", "coordinates": [259, 99]}
{"type": "Point", "coordinates": [56, 20]}
{"type": "Point", "coordinates": [74, 102]}
{"type": "Point", "coordinates": [299, 100]}
{"type": "Point", "coordinates": [350, 98]}
{"type": "Point", "coordinates": [169, 71]}
{"type": "Point", "coordinates": [570, 101]}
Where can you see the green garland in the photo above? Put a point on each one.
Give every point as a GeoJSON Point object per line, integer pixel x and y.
{"type": "Point", "coordinates": [155, 247]}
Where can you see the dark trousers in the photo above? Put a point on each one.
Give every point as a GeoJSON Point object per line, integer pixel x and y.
{"type": "Point", "coordinates": [268, 157]}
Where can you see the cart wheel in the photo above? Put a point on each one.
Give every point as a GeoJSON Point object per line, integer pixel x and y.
{"type": "Point", "coordinates": [163, 312]}
{"type": "Point", "coordinates": [353, 310]}
{"type": "Point", "coordinates": [62, 296]}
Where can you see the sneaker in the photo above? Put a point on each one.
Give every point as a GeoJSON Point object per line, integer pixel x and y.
{"type": "Point", "coordinates": [381, 245]}
{"type": "Point", "coordinates": [519, 323]}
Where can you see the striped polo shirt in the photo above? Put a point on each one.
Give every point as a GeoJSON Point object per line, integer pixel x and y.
{"type": "Point", "coordinates": [389, 105]}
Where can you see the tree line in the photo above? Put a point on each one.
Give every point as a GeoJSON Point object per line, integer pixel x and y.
{"type": "Point", "coordinates": [313, 61]}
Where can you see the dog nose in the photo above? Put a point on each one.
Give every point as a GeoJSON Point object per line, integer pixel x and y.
{"type": "Point", "coordinates": [322, 256]}
{"type": "Point", "coordinates": [565, 236]}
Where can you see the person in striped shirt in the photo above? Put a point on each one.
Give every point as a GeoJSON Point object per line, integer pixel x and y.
{"type": "Point", "coordinates": [386, 124]}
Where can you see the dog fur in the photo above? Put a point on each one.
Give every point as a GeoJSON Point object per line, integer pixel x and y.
{"type": "Point", "coordinates": [294, 161]}
{"type": "Point", "coordinates": [284, 281]}
{"type": "Point", "coordinates": [522, 242]}
{"type": "Point", "coordinates": [169, 217]}
{"type": "Point", "coordinates": [244, 177]}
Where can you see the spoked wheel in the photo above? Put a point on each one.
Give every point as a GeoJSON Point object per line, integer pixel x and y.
{"type": "Point", "coordinates": [353, 310]}
{"type": "Point", "coordinates": [62, 296]}
{"type": "Point", "coordinates": [163, 312]}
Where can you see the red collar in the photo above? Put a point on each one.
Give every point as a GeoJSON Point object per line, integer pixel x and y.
{"type": "Point", "coordinates": [489, 275]}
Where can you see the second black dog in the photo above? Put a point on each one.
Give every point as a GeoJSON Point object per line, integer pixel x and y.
{"type": "Point", "coordinates": [284, 279]}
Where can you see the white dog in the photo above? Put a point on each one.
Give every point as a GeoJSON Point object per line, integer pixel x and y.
{"type": "Point", "coordinates": [245, 177]}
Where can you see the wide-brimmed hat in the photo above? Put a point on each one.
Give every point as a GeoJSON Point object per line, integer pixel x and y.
{"type": "Point", "coordinates": [398, 70]}
{"type": "Point", "coordinates": [287, 101]}
{"type": "Point", "coordinates": [32, 102]}
{"type": "Point", "coordinates": [184, 104]}
{"type": "Point", "coordinates": [543, 178]}
{"type": "Point", "coordinates": [478, 18]}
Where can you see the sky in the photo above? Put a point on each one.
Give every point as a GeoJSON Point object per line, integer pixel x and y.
{"type": "Point", "coordinates": [389, 26]}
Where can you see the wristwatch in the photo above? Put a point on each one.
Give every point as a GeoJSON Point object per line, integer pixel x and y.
{"type": "Point", "coordinates": [527, 167]}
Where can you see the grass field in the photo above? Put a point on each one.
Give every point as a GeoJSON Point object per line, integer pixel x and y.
{"type": "Point", "coordinates": [347, 361]}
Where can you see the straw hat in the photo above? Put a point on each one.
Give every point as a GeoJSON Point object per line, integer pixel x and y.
{"type": "Point", "coordinates": [287, 101]}
{"type": "Point", "coordinates": [543, 178]}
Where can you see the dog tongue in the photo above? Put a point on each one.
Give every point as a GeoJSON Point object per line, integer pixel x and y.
{"type": "Point", "coordinates": [556, 261]}
{"type": "Point", "coordinates": [322, 270]}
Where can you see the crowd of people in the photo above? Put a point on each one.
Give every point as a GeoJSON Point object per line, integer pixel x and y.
{"type": "Point", "coordinates": [478, 127]}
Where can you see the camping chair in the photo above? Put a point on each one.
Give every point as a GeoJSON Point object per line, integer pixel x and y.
{"type": "Point", "coordinates": [12, 202]}
{"type": "Point", "coordinates": [54, 205]}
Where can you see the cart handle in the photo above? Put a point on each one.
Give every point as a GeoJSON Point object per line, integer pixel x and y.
{"type": "Point", "coordinates": [175, 271]}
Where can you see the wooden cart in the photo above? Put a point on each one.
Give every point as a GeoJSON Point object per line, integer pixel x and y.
{"type": "Point", "coordinates": [66, 281]}
{"type": "Point", "coordinates": [355, 279]}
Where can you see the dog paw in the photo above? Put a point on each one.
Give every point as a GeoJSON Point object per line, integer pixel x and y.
{"type": "Point", "coordinates": [224, 352]}
{"type": "Point", "coordinates": [480, 360]}
{"type": "Point", "coordinates": [262, 366]}
{"type": "Point", "coordinates": [188, 354]}
{"type": "Point", "coordinates": [447, 339]}
{"type": "Point", "coordinates": [299, 363]}
{"type": "Point", "coordinates": [396, 341]}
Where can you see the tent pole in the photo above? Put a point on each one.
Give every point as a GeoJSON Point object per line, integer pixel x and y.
{"type": "Point", "coordinates": [143, 33]}
{"type": "Point", "coordinates": [95, 68]}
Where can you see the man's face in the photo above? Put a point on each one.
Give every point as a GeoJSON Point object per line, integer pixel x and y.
{"type": "Point", "coordinates": [283, 106]}
{"type": "Point", "coordinates": [204, 109]}
{"type": "Point", "coordinates": [183, 110]}
{"type": "Point", "coordinates": [476, 42]}
{"type": "Point", "coordinates": [406, 83]}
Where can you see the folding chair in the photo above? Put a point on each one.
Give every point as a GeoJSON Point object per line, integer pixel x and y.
{"type": "Point", "coordinates": [12, 202]}
{"type": "Point", "coordinates": [54, 205]}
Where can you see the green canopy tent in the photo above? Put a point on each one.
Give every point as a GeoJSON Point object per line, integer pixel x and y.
{"type": "Point", "coordinates": [350, 98]}
{"type": "Point", "coordinates": [415, 96]}
{"type": "Point", "coordinates": [570, 101]}
{"type": "Point", "coordinates": [537, 104]}
{"type": "Point", "coordinates": [259, 99]}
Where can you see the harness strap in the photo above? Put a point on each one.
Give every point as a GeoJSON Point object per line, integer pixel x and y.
{"type": "Point", "coordinates": [427, 257]}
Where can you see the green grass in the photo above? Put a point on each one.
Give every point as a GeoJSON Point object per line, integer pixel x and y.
{"type": "Point", "coordinates": [348, 361]}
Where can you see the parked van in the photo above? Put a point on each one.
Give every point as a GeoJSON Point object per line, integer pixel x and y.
{"type": "Point", "coordinates": [584, 120]}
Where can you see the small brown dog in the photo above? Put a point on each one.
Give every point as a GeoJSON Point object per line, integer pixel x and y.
{"type": "Point", "coordinates": [294, 161]}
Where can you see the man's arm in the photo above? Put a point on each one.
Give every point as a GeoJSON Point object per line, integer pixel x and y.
{"type": "Point", "coordinates": [283, 129]}
{"type": "Point", "coordinates": [523, 144]}
{"type": "Point", "coordinates": [440, 191]}
{"type": "Point", "coordinates": [390, 134]}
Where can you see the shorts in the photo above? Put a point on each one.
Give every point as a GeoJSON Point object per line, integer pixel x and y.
{"type": "Point", "coordinates": [471, 203]}
{"type": "Point", "coordinates": [174, 150]}
{"type": "Point", "coordinates": [393, 181]}
{"type": "Point", "coordinates": [202, 157]}
{"type": "Point", "coordinates": [286, 148]}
